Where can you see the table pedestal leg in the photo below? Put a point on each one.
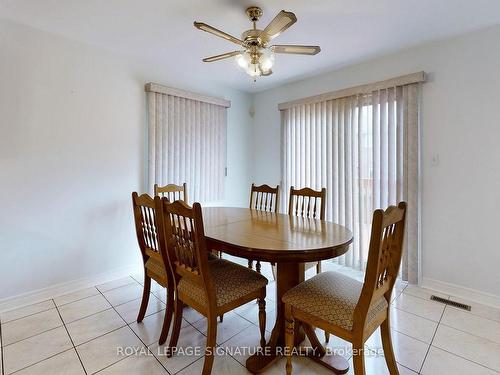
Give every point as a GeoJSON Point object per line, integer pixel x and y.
{"type": "Point", "coordinates": [288, 276]}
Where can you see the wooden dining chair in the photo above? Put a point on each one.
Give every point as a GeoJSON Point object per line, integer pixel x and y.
{"type": "Point", "coordinates": [346, 307]}
{"type": "Point", "coordinates": [172, 192]}
{"type": "Point", "coordinates": [153, 256]}
{"type": "Point", "coordinates": [308, 203]}
{"type": "Point", "coordinates": [263, 198]}
{"type": "Point", "coordinates": [210, 287]}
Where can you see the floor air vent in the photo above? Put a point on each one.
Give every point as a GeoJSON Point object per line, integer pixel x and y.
{"type": "Point", "coordinates": [462, 306]}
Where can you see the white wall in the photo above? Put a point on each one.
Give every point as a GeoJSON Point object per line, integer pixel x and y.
{"type": "Point", "coordinates": [72, 149]}
{"type": "Point", "coordinates": [461, 124]}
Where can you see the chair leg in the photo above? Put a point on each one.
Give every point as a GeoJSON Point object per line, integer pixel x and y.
{"type": "Point", "coordinates": [145, 297]}
{"type": "Point", "coordinates": [327, 337]}
{"type": "Point", "coordinates": [176, 329]}
{"type": "Point", "coordinates": [318, 267]}
{"type": "Point", "coordinates": [262, 319]}
{"type": "Point", "coordinates": [250, 264]}
{"type": "Point", "coordinates": [168, 316]}
{"type": "Point", "coordinates": [289, 338]}
{"type": "Point", "coordinates": [211, 342]}
{"type": "Point", "coordinates": [390, 359]}
{"type": "Point", "coordinates": [257, 266]}
{"type": "Point", "coordinates": [221, 318]}
{"type": "Point", "coordinates": [358, 359]}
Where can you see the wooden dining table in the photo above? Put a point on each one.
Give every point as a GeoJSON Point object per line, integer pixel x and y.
{"type": "Point", "coordinates": [288, 242]}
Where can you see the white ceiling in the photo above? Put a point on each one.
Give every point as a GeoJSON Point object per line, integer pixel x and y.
{"type": "Point", "coordinates": [162, 30]}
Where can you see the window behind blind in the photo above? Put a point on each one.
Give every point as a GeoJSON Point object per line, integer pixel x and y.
{"type": "Point", "coordinates": [187, 141]}
{"type": "Point", "coordinates": [363, 149]}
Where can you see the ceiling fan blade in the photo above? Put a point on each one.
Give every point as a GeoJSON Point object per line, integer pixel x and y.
{"type": "Point", "coordinates": [221, 34]}
{"type": "Point", "coordinates": [296, 49]}
{"type": "Point", "coordinates": [279, 24]}
{"type": "Point", "coordinates": [221, 56]}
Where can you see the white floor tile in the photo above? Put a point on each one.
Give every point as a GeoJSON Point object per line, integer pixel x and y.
{"type": "Point", "coordinates": [426, 309]}
{"type": "Point", "coordinates": [376, 365]}
{"type": "Point", "coordinates": [191, 315]}
{"type": "Point", "coordinates": [66, 363]}
{"type": "Point", "coordinates": [159, 291]}
{"type": "Point", "coordinates": [150, 328]}
{"type": "Point", "coordinates": [115, 284]}
{"type": "Point", "coordinates": [423, 293]}
{"type": "Point", "coordinates": [250, 311]}
{"type": "Point", "coordinates": [488, 312]}
{"type": "Point", "coordinates": [473, 348]}
{"type": "Point", "coordinates": [108, 349]}
{"type": "Point", "coordinates": [335, 345]}
{"type": "Point", "coordinates": [231, 325]}
{"type": "Point", "coordinates": [31, 325]}
{"type": "Point", "coordinates": [409, 352]}
{"type": "Point", "coordinates": [223, 365]}
{"type": "Point", "coordinates": [191, 346]}
{"type": "Point", "coordinates": [413, 325]}
{"type": "Point", "coordinates": [300, 366]}
{"type": "Point", "coordinates": [464, 342]}
{"type": "Point", "coordinates": [124, 294]}
{"type": "Point", "coordinates": [35, 349]}
{"type": "Point", "coordinates": [83, 308]}
{"type": "Point", "coordinates": [89, 328]}
{"type": "Point", "coordinates": [441, 362]}
{"type": "Point", "coordinates": [22, 312]}
{"type": "Point", "coordinates": [473, 324]}
{"type": "Point", "coordinates": [129, 310]}
{"type": "Point", "coordinates": [244, 344]}
{"type": "Point", "coordinates": [135, 365]}
{"type": "Point", "coordinates": [75, 296]}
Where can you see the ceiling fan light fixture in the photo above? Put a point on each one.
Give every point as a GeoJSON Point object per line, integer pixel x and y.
{"type": "Point", "coordinates": [253, 70]}
{"type": "Point", "coordinates": [243, 60]}
{"type": "Point", "coordinates": [266, 60]}
{"type": "Point", "coordinates": [257, 56]}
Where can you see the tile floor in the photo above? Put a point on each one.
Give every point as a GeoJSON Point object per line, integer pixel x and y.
{"type": "Point", "coordinates": [93, 331]}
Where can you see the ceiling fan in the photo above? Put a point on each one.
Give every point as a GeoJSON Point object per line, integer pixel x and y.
{"type": "Point", "coordinates": [257, 56]}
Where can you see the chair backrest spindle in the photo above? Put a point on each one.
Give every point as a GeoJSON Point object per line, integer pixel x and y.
{"type": "Point", "coordinates": [384, 259]}
{"type": "Point", "coordinates": [307, 202]}
{"type": "Point", "coordinates": [264, 198]}
{"type": "Point", "coordinates": [172, 192]}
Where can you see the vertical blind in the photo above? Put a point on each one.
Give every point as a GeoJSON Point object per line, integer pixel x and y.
{"type": "Point", "coordinates": [187, 141]}
{"type": "Point", "coordinates": [363, 149]}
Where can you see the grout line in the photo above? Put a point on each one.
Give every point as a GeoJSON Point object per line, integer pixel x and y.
{"type": "Point", "coordinates": [76, 300]}
{"type": "Point", "coordinates": [42, 360]}
{"type": "Point", "coordinates": [471, 334]}
{"type": "Point", "coordinates": [97, 286]}
{"type": "Point", "coordinates": [38, 312]}
{"type": "Point", "coordinates": [466, 359]}
{"type": "Point", "coordinates": [409, 312]}
{"type": "Point", "coordinates": [88, 316]}
{"type": "Point", "coordinates": [432, 340]}
{"type": "Point", "coordinates": [128, 325]}
{"type": "Point", "coordinates": [412, 313]}
{"type": "Point", "coordinates": [406, 367]}
{"type": "Point", "coordinates": [471, 313]}
{"type": "Point", "coordinates": [71, 339]}
{"type": "Point", "coordinates": [29, 337]}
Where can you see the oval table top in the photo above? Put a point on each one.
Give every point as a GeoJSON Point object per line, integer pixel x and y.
{"type": "Point", "coordinates": [267, 236]}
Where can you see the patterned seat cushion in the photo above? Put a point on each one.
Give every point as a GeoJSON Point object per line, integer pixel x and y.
{"type": "Point", "coordinates": [231, 281]}
{"type": "Point", "coordinates": [331, 297]}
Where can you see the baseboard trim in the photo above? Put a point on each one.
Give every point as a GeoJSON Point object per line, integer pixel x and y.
{"type": "Point", "coordinates": [56, 290]}
{"type": "Point", "coordinates": [462, 292]}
